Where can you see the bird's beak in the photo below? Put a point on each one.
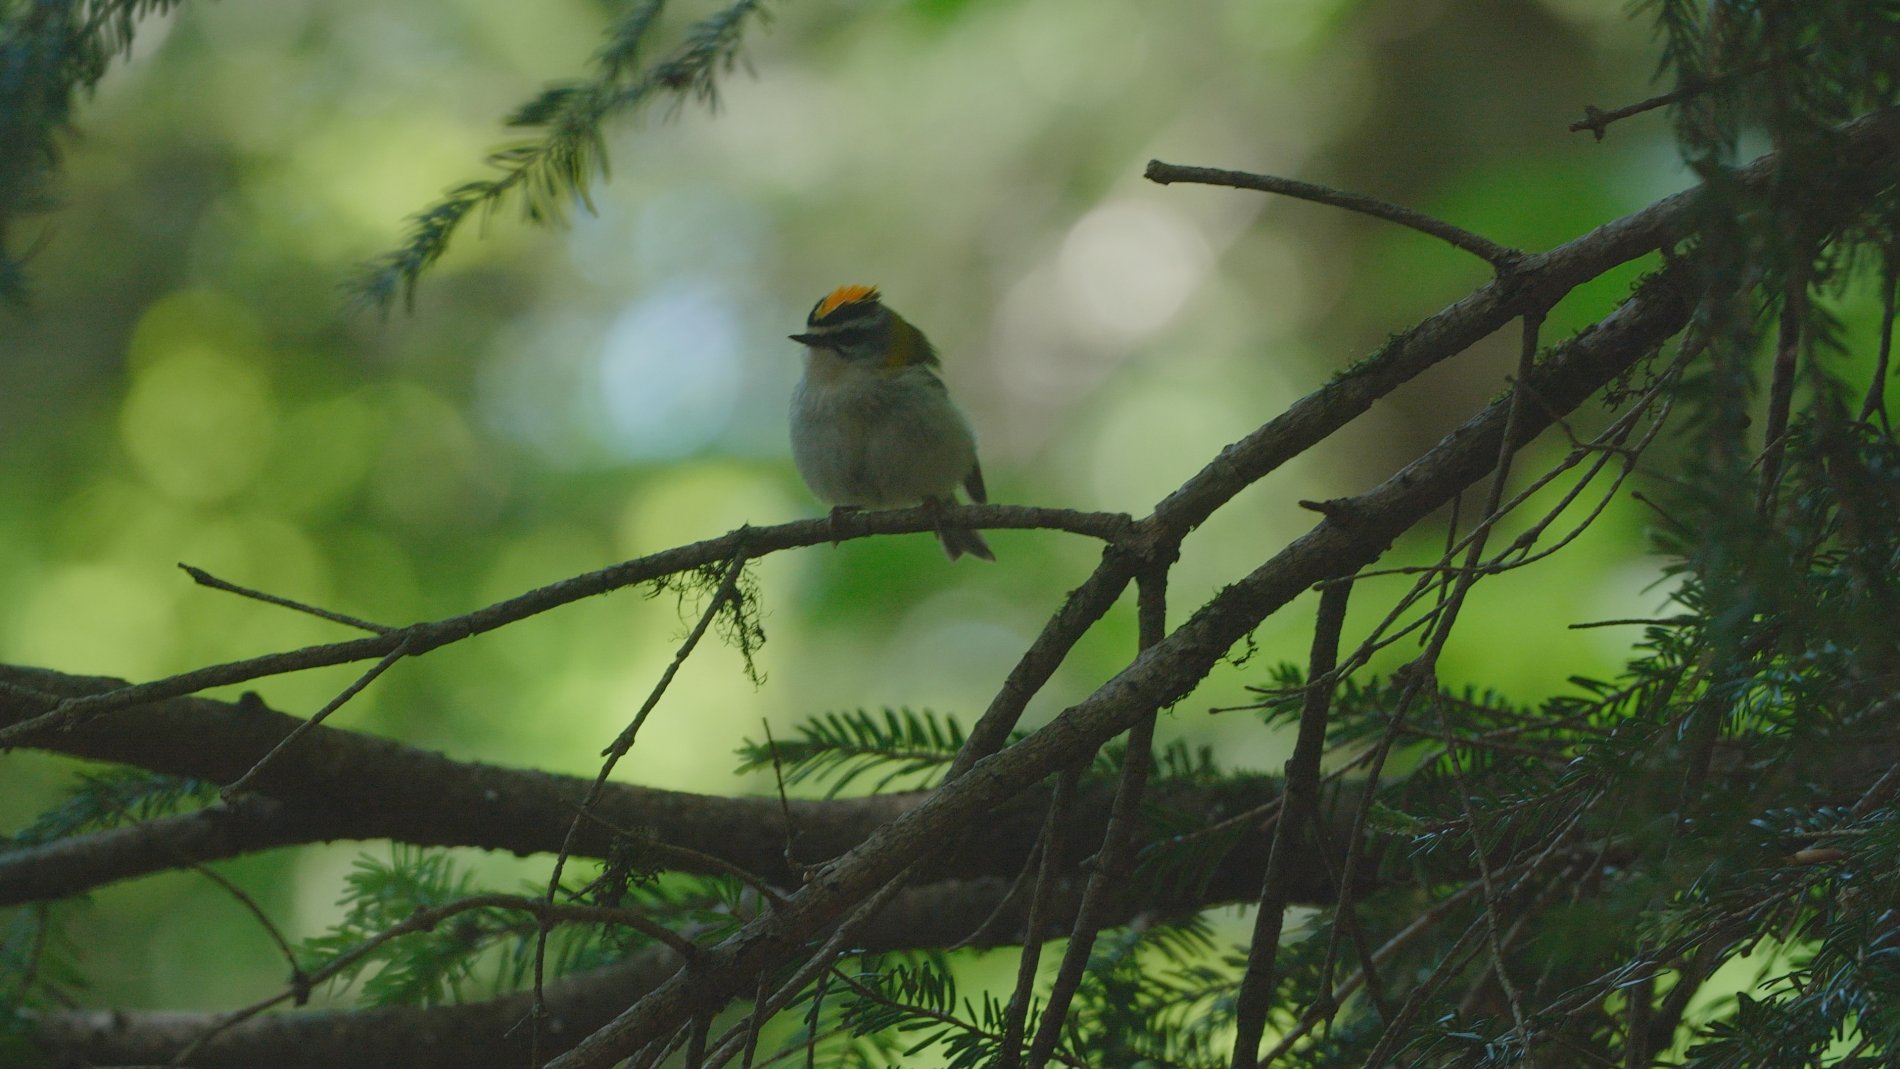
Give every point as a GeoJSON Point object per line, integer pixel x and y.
{"type": "Point", "coordinates": [804, 339]}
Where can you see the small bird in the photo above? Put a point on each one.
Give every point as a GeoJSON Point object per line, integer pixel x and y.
{"type": "Point", "coordinates": [872, 424]}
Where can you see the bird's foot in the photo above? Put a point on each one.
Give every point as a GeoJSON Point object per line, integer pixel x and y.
{"type": "Point", "coordinates": [838, 512]}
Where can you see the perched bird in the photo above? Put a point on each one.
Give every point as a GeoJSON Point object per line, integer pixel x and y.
{"type": "Point", "coordinates": [872, 424]}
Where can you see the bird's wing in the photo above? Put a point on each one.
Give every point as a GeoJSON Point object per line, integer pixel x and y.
{"type": "Point", "coordinates": [973, 483]}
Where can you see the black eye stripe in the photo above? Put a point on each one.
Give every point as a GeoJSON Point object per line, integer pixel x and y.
{"type": "Point", "coordinates": [854, 335]}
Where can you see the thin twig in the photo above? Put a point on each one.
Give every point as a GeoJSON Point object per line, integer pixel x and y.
{"type": "Point", "coordinates": [1487, 879]}
{"type": "Point", "coordinates": [696, 1042]}
{"type": "Point", "coordinates": [1498, 256]}
{"type": "Point", "coordinates": [982, 934]}
{"type": "Point", "coordinates": [1323, 1003]}
{"type": "Point", "coordinates": [1600, 449]}
{"type": "Point", "coordinates": [784, 803]}
{"type": "Point", "coordinates": [426, 637]}
{"type": "Point", "coordinates": [1636, 621]}
{"type": "Point", "coordinates": [1452, 740]}
{"type": "Point", "coordinates": [1493, 904]}
{"type": "Point", "coordinates": [699, 860]}
{"type": "Point", "coordinates": [1877, 793]}
{"type": "Point", "coordinates": [238, 786]}
{"type": "Point", "coordinates": [1112, 860]}
{"type": "Point", "coordinates": [727, 589]}
{"type": "Point", "coordinates": [812, 1019]}
{"type": "Point", "coordinates": [760, 990]}
{"type": "Point", "coordinates": [1300, 801]}
{"type": "Point", "coordinates": [816, 964]}
{"type": "Point", "coordinates": [1443, 591]}
{"type": "Point", "coordinates": [1420, 672]}
{"type": "Point", "coordinates": [1794, 316]}
{"type": "Point", "coordinates": [204, 578]}
{"type": "Point", "coordinates": [1598, 121]}
{"type": "Point", "coordinates": [657, 1052]}
{"type": "Point", "coordinates": [1875, 402]}
{"type": "Point", "coordinates": [1456, 956]}
{"type": "Point", "coordinates": [1016, 1015]}
{"type": "Point", "coordinates": [1447, 567]}
{"type": "Point", "coordinates": [1320, 1010]}
{"type": "Point", "coordinates": [1425, 921]}
{"type": "Point", "coordinates": [299, 982]}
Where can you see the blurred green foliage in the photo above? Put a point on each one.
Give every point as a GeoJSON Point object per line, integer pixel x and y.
{"type": "Point", "coordinates": [188, 382]}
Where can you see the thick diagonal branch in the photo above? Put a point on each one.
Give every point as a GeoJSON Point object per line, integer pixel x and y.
{"type": "Point", "coordinates": [1349, 539]}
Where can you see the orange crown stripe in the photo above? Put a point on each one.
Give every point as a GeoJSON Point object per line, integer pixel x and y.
{"type": "Point", "coordinates": [842, 296]}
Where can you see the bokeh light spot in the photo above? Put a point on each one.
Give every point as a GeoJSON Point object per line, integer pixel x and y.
{"type": "Point", "coordinates": [323, 455]}
{"type": "Point", "coordinates": [97, 618]}
{"type": "Point", "coordinates": [700, 500]}
{"type": "Point", "coordinates": [669, 368]}
{"type": "Point", "coordinates": [1127, 267]}
{"type": "Point", "coordinates": [187, 318]}
{"type": "Point", "coordinates": [430, 473]}
{"type": "Point", "coordinates": [197, 424]}
{"type": "Point", "coordinates": [1130, 472]}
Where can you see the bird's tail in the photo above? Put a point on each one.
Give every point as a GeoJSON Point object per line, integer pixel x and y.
{"type": "Point", "coordinates": [956, 540]}
{"type": "Point", "coordinates": [960, 540]}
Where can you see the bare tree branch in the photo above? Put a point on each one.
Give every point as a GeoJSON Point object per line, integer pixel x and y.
{"type": "Point", "coordinates": [1354, 536]}
{"type": "Point", "coordinates": [1484, 248]}
{"type": "Point", "coordinates": [409, 795]}
{"type": "Point", "coordinates": [423, 637]}
{"type": "Point", "coordinates": [476, 1035]}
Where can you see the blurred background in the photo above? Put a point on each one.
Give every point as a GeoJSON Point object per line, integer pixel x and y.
{"type": "Point", "coordinates": [190, 383]}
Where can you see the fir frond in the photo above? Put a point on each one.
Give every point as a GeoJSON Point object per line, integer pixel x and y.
{"type": "Point", "coordinates": [113, 797]}
{"type": "Point", "coordinates": [38, 962]}
{"type": "Point", "coordinates": [906, 1005]}
{"type": "Point", "coordinates": [544, 177]}
{"type": "Point", "coordinates": [51, 52]}
{"type": "Point", "coordinates": [442, 964]}
{"type": "Point", "coordinates": [900, 745]}
{"type": "Point", "coordinates": [1156, 995]}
